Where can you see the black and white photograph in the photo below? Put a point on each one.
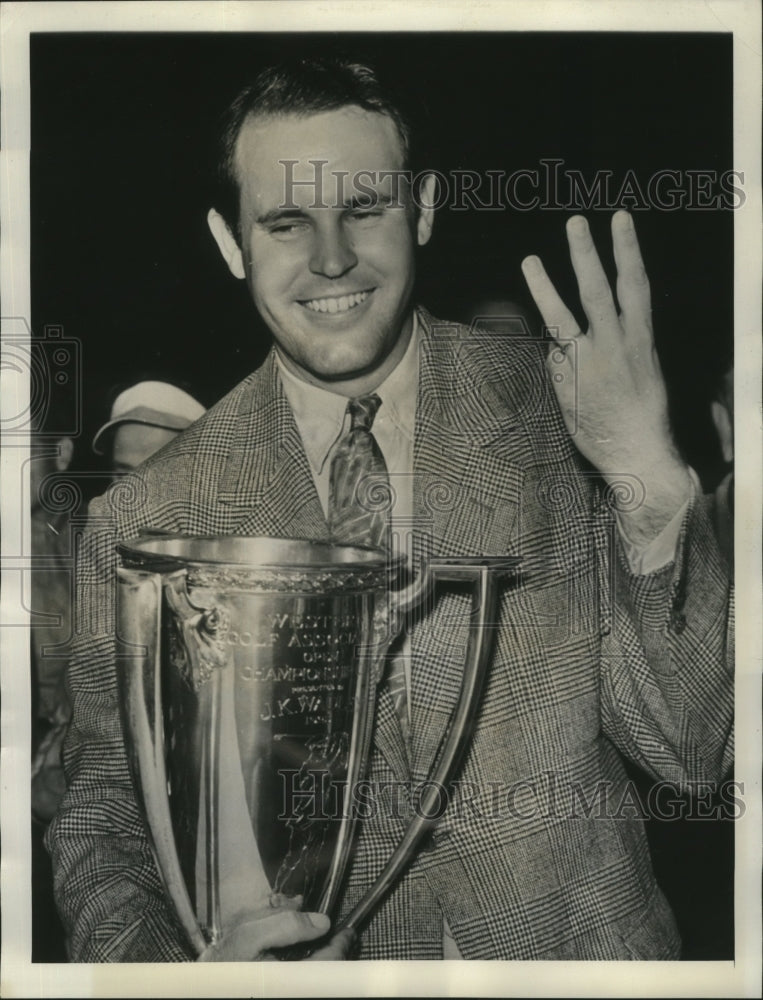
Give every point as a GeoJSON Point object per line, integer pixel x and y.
{"type": "Point", "coordinates": [381, 446]}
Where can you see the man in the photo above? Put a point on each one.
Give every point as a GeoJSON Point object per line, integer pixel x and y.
{"type": "Point", "coordinates": [51, 619]}
{"type": "Point", "coordinates": [144, 417]}
{"type": "Point", "coordinates": [722, 412]}
{"type": "Point", "coordinates": [598, 647]}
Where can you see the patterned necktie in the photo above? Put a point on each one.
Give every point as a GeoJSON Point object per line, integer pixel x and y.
{"type": "Point", "coordinates": [359, 491]}
{"type": "Point", "coordinates": [360, 499]}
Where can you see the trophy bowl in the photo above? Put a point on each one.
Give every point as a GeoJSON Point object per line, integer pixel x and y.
{"type": "Point", "coordinates": [248, 670]}
{"type": "Point", "coordinates": [247, 698]}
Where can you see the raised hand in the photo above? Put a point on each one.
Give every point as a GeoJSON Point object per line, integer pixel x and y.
{"type": "Point", "coordinates": [611, 391]}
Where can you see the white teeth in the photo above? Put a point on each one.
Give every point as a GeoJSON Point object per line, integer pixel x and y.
{"type": "Point", "coordinates": [343, 304]}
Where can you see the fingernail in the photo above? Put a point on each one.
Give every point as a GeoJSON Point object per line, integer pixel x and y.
{"type": "Point", "coordinates": [319, 920]}
{"type": "Point", "coordinates": [577, 225]}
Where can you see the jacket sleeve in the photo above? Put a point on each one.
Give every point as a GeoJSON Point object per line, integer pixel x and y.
{"type": "Point", "coordinates": [107, 886]}
{"type": "Point", "coordinates": [668, 657]}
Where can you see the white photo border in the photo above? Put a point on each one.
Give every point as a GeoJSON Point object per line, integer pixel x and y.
{"type": "Point", "coordinates": [20, 977]}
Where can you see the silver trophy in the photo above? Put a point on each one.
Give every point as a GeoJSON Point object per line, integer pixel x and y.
{"type": "Point", "coordinates": [248, 679]}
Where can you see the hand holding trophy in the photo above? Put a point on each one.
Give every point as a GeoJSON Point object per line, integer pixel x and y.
{"type": "Point", "coordinates": [277, 926]}
{"type": "Point", "coordinates": [248, 690]}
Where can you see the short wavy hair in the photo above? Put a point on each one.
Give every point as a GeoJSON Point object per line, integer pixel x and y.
{"type": "Point", "coordinates": [302, 87]}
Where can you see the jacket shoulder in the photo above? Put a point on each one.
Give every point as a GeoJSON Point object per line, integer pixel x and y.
{"type": "Point", "coordinates": [505, 372]}
{"type": "Point", "coordinates": [482, 351]}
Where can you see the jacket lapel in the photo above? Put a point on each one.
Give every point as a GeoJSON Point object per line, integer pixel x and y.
{"type": "Point", "coordinates": [267, 475]}
{"type": "Point", "coordinates": [467, 491]}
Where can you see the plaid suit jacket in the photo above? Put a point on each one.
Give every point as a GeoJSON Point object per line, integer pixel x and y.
{"type": "Point", "coordinates": [540, 852]}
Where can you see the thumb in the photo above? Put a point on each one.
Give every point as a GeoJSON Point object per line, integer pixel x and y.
{"type": "Point", "coordinates": [338, 947]}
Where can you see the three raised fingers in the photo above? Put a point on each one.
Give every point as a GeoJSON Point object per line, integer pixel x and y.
{"type": "Point", "coordinates": [595, 292]}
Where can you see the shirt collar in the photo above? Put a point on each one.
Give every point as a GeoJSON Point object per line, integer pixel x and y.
{"type": "Point", "coordinates": [320, 414]}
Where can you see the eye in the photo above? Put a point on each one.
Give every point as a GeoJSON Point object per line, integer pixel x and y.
{"type": "Point", "coordinates": [287, 229]}
{"type": "Point", "coordinates": [362, 214]}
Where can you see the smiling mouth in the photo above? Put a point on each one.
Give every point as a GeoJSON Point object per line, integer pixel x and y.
{"type": "Point", "coordinates": [342, 304]}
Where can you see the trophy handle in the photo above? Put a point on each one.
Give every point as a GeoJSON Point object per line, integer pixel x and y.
{"type": "Point", "coordinates": [483, 573]}
{"type": "Point", "coordinates": [139, 602]}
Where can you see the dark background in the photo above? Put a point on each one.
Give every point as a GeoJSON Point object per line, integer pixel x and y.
{"type": "Point", "coordinates": [123, 262]}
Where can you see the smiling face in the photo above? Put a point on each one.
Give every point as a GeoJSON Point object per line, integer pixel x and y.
{"type": "Point", "coordinates": [330, 274]}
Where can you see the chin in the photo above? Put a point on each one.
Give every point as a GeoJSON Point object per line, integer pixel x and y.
{"type": "Point", "coordinates": [343, 364]}
{"type": "Point", "coordinates": [342, 373]}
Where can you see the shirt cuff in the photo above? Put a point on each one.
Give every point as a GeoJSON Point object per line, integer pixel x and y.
{"type": "Point", "coordinates": [661, 551]}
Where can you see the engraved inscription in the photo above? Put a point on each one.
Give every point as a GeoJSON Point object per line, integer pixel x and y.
{"type": "Point", "coordinates": [296, 663]}
{"type": "Point", "coordinates": [307, 665]}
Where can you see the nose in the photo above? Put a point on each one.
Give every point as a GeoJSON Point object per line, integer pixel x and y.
{"type": "Point", "coordinates": [332, 254]}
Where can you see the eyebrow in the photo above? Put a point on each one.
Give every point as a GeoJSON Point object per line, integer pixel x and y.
{"type": "Point", "coordinates": [374, 199]}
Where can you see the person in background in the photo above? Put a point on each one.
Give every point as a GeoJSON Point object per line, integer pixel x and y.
{"type": "Point", "coordinates": [51, 587]}
{"type": "Point", "coordinates": [499, 314]}
{"type": "Point", "coordinates": [51, 607]}
{"type": "Point", "coordinates": [722, 412]}
{"type": "Point", "coordinates": [144, 418]}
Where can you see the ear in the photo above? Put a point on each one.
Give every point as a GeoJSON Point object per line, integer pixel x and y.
{"type": "Point", "coordinates": [426, 202]}
{"type": "Point", "coordinates": [64, 454]}
{"type": "Point", "coordinates": [226, 243]}
{"type": "Point", "coordinates": [724, 428]}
